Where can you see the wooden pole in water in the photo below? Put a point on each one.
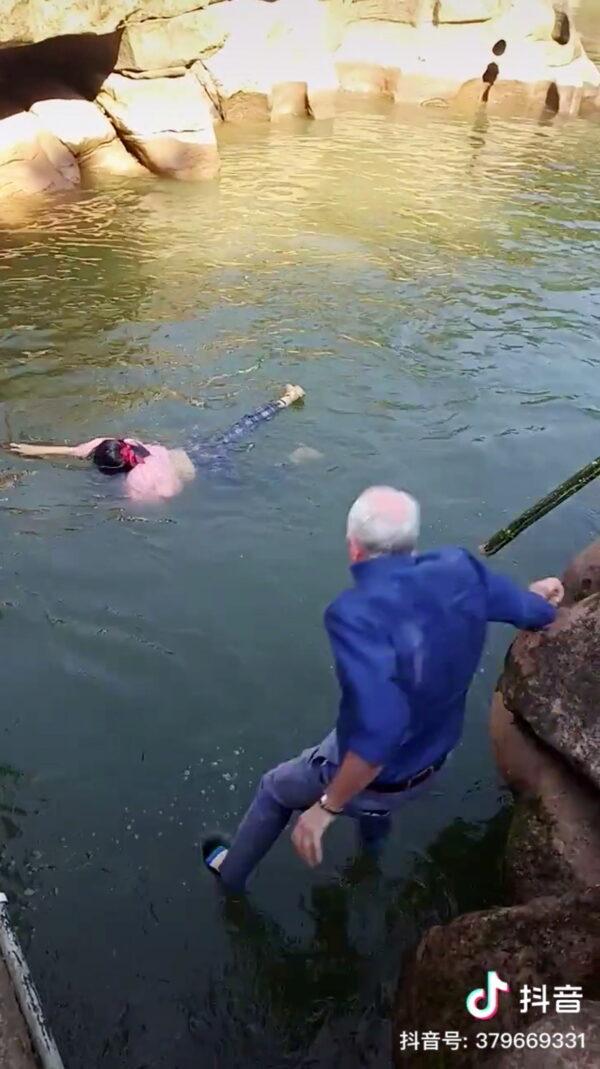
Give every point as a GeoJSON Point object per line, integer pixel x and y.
{"type": "Point", "coordinates": [577, 481]}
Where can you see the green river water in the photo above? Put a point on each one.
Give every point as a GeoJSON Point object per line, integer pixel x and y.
{"type": "Point", "coordinates": [433, 284]}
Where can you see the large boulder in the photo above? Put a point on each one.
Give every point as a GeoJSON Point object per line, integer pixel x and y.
{"type": "Point", "coordinates": [84, 128]}
{"type": "Point", "coordinates": [582, 577]}
{"type": "Point", "coordinates": [573, 1053]}
{"type": "Point", "coordinates": [166, 122]}
{"type": "Point", "coordinates": [549, 941]}
{"type": "Point", "coordinates": [419, 12]}
{"type": "Point", "coordinates": [169, 42]}
{"type": "Point", "coordinates": [36, 20]}
{"type": "Point", "coordinates": [411, 64]}
{"type": "Point", "coordinates": [32, 160]}
{"type": "Point", "coordinates": [554, 839]}
{"type": "Point", "coordinates": [511, 55]}
{"type": "Point", "coordinates": [552, 681]}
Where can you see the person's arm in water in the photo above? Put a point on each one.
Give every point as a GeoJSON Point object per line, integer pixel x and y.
{"type": "Point", "coordinates": [366, 668]}
{"type": "Point", "coordinates": [82, 451]}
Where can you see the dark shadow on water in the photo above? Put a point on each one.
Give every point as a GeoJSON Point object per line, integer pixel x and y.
{"type": "Point", "coordinates": [325, 1002]}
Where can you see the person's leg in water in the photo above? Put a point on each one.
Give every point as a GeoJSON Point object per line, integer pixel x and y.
{"type": "Point", "coordinates": [374, 830]}
{"type": "Point", "coordinates": [213, 452]}
{"type": "Point", "coordinates": [291, 786]}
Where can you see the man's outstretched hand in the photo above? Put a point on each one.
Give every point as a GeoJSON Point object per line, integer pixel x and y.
{"type": "Point", "coordinates": [308, 834]}
{"type": "Point", "coordinates": [550, 589]}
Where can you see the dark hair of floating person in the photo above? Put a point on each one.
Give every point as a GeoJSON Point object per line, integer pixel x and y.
{"type": "Point", "coordinates": [115, 456]}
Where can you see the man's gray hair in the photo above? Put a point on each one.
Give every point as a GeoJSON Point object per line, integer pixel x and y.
{"type": "Point", "coordinates": [384, 520]}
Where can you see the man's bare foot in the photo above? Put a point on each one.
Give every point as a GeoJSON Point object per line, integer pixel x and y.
{"type": "Point", "coordinates": [291, 394]}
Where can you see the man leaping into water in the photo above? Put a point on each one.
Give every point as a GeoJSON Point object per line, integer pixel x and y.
{"type": "Point", "coordinates": [152, 472]}
{"type": "Point", "coordinates": [407, 640]}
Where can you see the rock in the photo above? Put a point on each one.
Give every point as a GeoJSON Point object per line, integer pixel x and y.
{"type": "Point", "coordinates": [84, 128]}
{"type": "Point", "coordinates": [586, 1022]}
{"type": "Point", "coordinates": [166, 122]}
{"type": "Point", "coordinates": [304, 454]}
{"type": "Point", "coordinates": [8, 480]}
{"type": "Point", "coordinates": [204, 77]}
{"type": "Point", "coordinates": [16, 1051]}
{"type": "Point", "coordinates": [582, 577]}
{"type": "Point", "coordinates": [288, 99]}
{"type": "Point", "coordinates": [552, 681]}
{"type": "Point", "coordinates": [502, 54]}
{"type": "Point", "coordinates": [243, 70]}
{"type": "Point", "coordinates": [513, 98]}
{"type": "Point", "coordinates": [467, 10]}
{"type": "Point", "coordinates": [574, 83]}
{"type": "Point", "coordinates": [549, 941]}
{"type": "Point", "coordinates": [412, 65]}
{"type": "Point", "coordinates": [271, 46]}
{"type": "Point", "coordinates": [421, 12]}
{"type": "Point", "coordinates": [169, 42]}
{"type": "Point", "coordinates": [590, 104]}
{"type": "Point", "coordinates": [33, 160]}
{"type": "Point", "coordinates": [113, 159]}
{"type": "Point", "coordinates": [407, 11]}
{"type": "Point", "coordinates": [554, 839]}
{"type": "Point", "coordinates": [36, 20]}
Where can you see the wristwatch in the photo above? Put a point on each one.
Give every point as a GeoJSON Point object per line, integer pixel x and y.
{"type": "Point", "coordinates": [324, 803]}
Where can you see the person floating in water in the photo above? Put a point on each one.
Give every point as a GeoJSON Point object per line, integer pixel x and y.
{"type": "Point", "coordinates": [407, 640]}
{"type": "Point", "coordinates": [153, 472]}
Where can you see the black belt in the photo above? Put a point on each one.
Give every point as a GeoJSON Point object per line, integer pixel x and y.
{"type": "Point", "coordinates": [406, 784]}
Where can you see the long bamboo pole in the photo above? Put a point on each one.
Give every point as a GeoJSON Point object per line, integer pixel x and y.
{"type": "Point", "coordinates": [577, 481]}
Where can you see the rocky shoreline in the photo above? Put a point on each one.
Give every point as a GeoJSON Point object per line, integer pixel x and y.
{"type": "Point", "coordinates": [142, 86]}
{"type": "Point", "coordinates": [545, 729]}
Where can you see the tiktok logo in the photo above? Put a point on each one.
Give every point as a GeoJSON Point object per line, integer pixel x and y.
{"type": "Point", "coordinates": [482, 1003]}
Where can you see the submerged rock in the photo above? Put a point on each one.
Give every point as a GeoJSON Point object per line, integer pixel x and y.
{"type": "Point", "coordinates": [304, 454]}
{"type": "Point", "coordinates": [550, 940]}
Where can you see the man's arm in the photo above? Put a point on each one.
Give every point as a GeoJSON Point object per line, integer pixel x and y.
{"type": "Point", "coordinates": [366, 668]}
{"type": "Point", "coordinates": [353, 776]}
{"type": "Point", "coordinates": [508, 603]}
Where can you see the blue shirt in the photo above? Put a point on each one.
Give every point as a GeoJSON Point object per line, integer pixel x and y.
{"type": "Point", "coordinates": [407, 640]}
